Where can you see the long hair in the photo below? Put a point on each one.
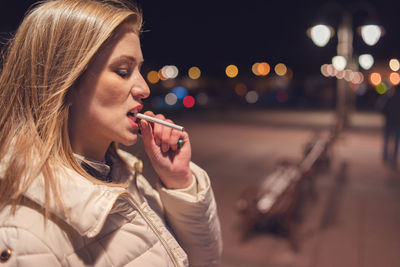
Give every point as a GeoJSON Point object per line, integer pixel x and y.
{"type": "Point", "coordinates": [50, 51]}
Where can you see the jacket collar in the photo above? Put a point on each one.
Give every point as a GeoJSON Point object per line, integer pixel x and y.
{"type": "Point", "coordinates": [87, 204]}
{"type": "Point", "coordinates": [99, 170]}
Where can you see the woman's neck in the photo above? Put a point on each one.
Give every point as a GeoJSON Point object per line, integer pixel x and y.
{"type": "Point", "coordinates": [89, 150]}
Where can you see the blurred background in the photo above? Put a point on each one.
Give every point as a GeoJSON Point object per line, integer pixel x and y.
{"type": "Point", "coordinates": [285, 103]}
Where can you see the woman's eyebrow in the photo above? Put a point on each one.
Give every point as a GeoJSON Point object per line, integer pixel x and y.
{"type": "Point", "coordinates": [123, 58]}
{"type": "Point", "coordinates": [126, 59]}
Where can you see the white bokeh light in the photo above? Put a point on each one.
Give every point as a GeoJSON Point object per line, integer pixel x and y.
{"type": "Point", "coordinates": [371, 34]}
{"type": "Point", "coordinates": [366, 61]}
{"type": "Point", "coordinates": [394, 64]}
{"type": "Point", "coordinates": [251, 97]}
{"type": "Point", "coordinates": [170, 71]}
{"type": "Point", "coordinates": [171, 99]}
{"type": "Point", "coordinates": [320, 34]}
{"type": "Point", "coordinates": [339, 62]}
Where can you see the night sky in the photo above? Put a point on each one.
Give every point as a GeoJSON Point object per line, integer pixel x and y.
{"type": "Point", "coordinates": [212, 34]}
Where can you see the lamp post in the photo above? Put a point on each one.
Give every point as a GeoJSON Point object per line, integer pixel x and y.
{"type": "Point", "coordinates": [320, 34]}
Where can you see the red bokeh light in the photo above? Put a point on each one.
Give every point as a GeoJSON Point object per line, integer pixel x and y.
{"type": "Point", "coordinates": [188, 101]}
{"type": "Point", "coordinates": [282, 97]}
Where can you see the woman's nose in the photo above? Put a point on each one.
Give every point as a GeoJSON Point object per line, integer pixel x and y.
{"type": "Point", "coordinates": [140, 89]}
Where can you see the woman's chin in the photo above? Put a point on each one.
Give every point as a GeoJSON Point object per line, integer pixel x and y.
{"type": "Point", "coordinates": [130, 141]}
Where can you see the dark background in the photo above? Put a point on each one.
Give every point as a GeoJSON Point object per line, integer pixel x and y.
{"type": "Point", "coordinates": [215, 33]}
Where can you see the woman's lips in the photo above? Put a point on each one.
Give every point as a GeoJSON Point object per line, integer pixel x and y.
{"type": "Point", "coordinates": [136, 109]}
{"type": "Point", "coordinates": [133, 121]}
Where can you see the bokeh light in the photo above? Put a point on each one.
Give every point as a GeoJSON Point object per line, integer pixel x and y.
{"type": "Point", "coordinates": [263, 68]}
{"type": "Point", "coordinates": [241, 89]}
{"type": "Point", "coordinates": [348, 75]}
{"type": "Point", "coordinates": [189, 101]}
{"type": "Point", "coordinates": [320, 35]}
{"type": "Point", "coordinates": [161, 76]}
{"type": "Point", "coordinates": [180, 92]}
{"type": "Point", "coordinates": [354, 86]}
{"type": "Point", "coordinates": [331, 70]}
{"type": "Point", "coordinates": [254, 68]}
{"type": "Point", "coordinates": [366, 61]}
{"type": "Point", "coordinates": [194, 73]}
{"type": "Point", "coordinates": [280, 69]}
{"type": "Point", "coordinates": [170, 99]}
{"type": "Point", "coordinates": [362, 89]}
{"type": "Point", "coordinates": [339, 62]}
{"type": "Point", "coordinates": [371, 34]}
{"type": "Point", "coordinates": [324, 70]}
{"type": "Point", "coordinates": [357, 78]}
{"type": "Point", "coordinates": [340, 74]}
{"type": "Point", "coordinates": [381, 88]}
{"type": "Point", "coordinates": [152, 77]}
{"type": "Point", "coordinates": [282, 96]}
{"type": "Point", "coordinates": [232, 71]}
{"type": "Point", "coordinates": [394, 78]}
{"type": "Point", "coordinates": [252, 97]}
{"type": "Point", "coordinates": [202, 99]}
{"type": "Point", "coordinates": [169, 71]}
{"type": "Point", "coordinates": [394, 64]}
{"type": "Point", "coordinates": [375, 78]}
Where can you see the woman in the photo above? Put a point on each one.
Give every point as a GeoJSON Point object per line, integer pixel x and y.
{"type": "Point", "coordinates": [70, 87]}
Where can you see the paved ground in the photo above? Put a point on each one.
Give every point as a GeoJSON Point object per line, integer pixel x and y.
{"type": "Point", "coordinates": [355, 219]}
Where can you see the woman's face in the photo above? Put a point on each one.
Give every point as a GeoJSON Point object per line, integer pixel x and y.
{"type": "Point", "coordinates": [111, 87]}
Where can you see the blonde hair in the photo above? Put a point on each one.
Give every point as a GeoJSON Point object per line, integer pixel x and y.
{"type": "Point", "coordinates": [50, 51]}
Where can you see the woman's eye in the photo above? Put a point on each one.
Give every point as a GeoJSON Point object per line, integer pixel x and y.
{"type": "Point", "coordinates": [122, 72]}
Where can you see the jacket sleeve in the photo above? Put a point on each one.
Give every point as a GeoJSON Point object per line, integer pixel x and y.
{"type": "Point", "coordinates": [19, 247]}
{"type": "Point", "coordinates": [194, 220]}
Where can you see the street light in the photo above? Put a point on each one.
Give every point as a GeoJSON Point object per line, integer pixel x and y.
{"type": "Point", "coordinates": [366, 61]}
{"type": "Point", "coordinates": [320, 35]}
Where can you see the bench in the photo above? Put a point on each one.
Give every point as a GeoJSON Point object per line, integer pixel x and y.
{"type": "Point", "coordinates": [274, 204]}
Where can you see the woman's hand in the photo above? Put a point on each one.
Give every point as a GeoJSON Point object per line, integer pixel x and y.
{"type": "Point", "coordinates": [161, 145]}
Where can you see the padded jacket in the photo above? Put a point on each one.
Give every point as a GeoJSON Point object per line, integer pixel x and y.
{"type": "Point", "coordinates": [133, 225]}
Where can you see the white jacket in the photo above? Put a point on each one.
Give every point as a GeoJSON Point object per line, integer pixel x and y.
{"type": "Point", "coordinates": [113, 226]}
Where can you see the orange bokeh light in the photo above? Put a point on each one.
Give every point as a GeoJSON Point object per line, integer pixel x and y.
{"type": "Point", "coordinates": [254, 68]}
{"type": "Point", "coordinates": [153, 77]}
{"type": "Point", "coordinates": [263, 68]}
{"type": "Point", "coordinates": [280, 69]}
{"type": "Point", "coordinates": [394, 78]}
{"type": "Point", "coordinates": [231, 71]}
{"type": "Point", "coordinates": [162, 78]}
{"type": "Point", "coordinates": [375, 78]}
{"type": "Point", "coordinates": [241, 89]}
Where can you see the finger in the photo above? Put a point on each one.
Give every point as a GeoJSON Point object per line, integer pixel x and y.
{"type": "Point", "coordinates": [147, 134]}
{"type": "Point", "coordinates": [185, 137]}
{"type": "Point", "coordinates": [155, 136]}
{"type": "Point", "coordinates": [151, 114]}
{"type": "Point", "coordinates": [158, 130]}
{"type": "Point", "coordinates": [174, 139]}
{"type": "Point", "coordinates": [166, 137]}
